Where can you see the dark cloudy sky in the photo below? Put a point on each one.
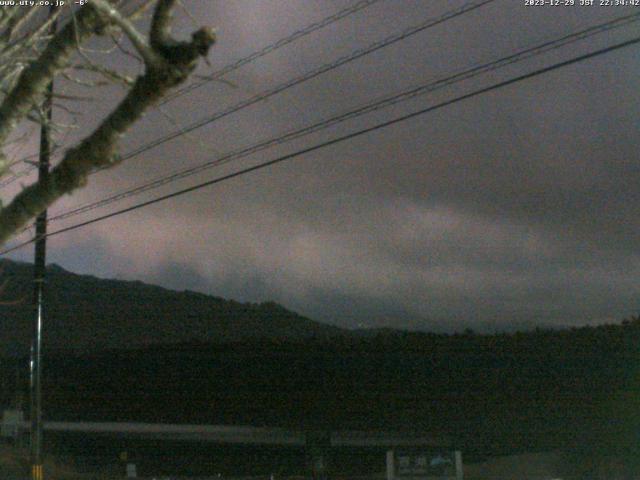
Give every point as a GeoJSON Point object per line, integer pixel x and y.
{"type": "Point", "coordinates": [517, 207]}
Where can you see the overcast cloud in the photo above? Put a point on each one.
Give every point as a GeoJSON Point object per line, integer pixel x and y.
{"type": "Point", "coordinates": [518, 207]}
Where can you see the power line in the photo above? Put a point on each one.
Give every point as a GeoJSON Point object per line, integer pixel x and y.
{"type": "Point", "coordinates": [340, 139]}
{"type": "Point", "coordinates": [272, 47]}
{"type": "Point", "coordinates": [297, 35]}
{"type": "Point", "coordinates": [383, 103]}
{"type": "Point", "coordinates": [359, 53]}
{"type": "Point", "coordinates": [355, 55]}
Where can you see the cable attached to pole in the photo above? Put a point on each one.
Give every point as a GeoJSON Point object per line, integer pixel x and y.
{"type": "Point", "coordinates": [349, 136]}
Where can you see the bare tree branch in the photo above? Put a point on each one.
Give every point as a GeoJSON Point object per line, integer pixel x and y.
{"type": "Point", "coordinates": [167, 64]}
{"type": "Point", "coordinates": [160, 34]}
{"type": "Point", "coordinates": [30, 87]}
{"type": "Point", "coordinates": [135, 37]}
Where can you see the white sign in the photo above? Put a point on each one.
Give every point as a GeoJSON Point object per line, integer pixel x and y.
{"type": "Point", "coordinates": [11, 422]}
{"type": "Point", "coordinates": [424, 464]}
{"type": "Point", "coordinates": [131, 470]}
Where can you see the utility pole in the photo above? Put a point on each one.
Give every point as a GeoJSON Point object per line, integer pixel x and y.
{"type": "Point", "coordinates": [38, 281]}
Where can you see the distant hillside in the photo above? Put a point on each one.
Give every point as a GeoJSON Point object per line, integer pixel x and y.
{"type": "Point", "coordinates": [86, 313]}
{"type": "Point", "coordinates": [500, 394]}
{"type": "Point", "coordinates": [199, 359]}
